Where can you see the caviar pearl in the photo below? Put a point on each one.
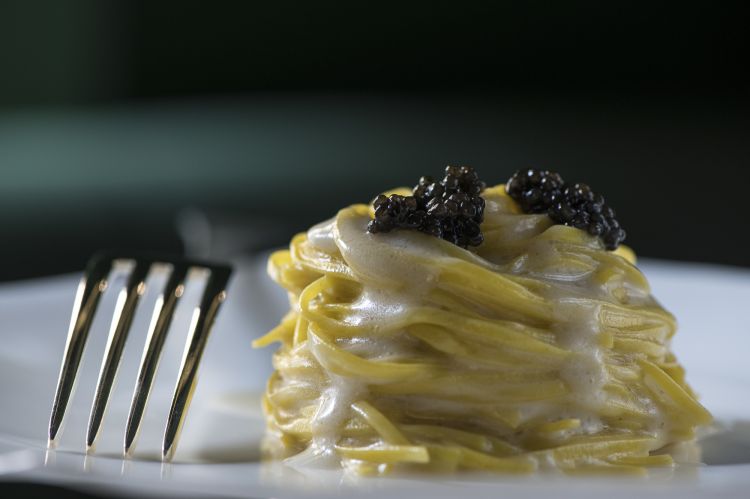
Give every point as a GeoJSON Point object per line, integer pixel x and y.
{"type": "Point", "coordinates": [451, 209]}
{"type": "Point", "coordinates": [577, 205]}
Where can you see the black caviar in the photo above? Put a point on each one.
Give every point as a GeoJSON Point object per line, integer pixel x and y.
{"type": "Point", "coordinates": [542, 191]}
{"type": "Point", "coordinates": [451, 208]}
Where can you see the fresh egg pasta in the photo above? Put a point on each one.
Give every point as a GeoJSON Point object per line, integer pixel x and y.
{"type": "Point", "coordinates": [536, 349]}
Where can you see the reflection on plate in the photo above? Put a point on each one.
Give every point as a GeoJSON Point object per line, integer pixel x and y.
{"type": "Point", "coordinates": [219, 449]}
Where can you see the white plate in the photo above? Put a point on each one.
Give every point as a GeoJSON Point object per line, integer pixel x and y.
{"type": "Point", "coordinates": [219, 449]}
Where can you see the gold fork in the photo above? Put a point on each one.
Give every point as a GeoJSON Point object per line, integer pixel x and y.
{"type": "Point", "coordinates": [90, 289]}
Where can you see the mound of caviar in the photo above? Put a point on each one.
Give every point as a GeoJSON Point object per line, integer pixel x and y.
{"type": "Point", "coordinates": [542, 191]}
{"type": "Point", "coordinates": [451, 208]}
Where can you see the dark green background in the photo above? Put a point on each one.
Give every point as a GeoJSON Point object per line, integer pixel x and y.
{"type": "Point", "coordinates": [85, 51]}
{"type": "Point", "coordinates": [115, 116]}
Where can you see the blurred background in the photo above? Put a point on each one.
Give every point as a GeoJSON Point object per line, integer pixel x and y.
{"type": "Point", "coordinates": [134, 124]}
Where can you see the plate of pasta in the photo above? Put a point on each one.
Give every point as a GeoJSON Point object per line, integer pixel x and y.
{"type": "Point", "coordinates": [451, 337]}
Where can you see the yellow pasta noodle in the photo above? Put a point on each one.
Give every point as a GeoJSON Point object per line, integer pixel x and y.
{"type": "Point", "coordinates": [536, 349]}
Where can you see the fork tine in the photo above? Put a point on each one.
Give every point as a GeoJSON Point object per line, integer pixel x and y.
{"type": "Point", "coordinates": [203, 319]}
{"type": "Point", "coordinates": [90, 288]}
{"type": "Point", "coordinates": [121, 321]}
{"type": "Point", "coordinates": [157, 333]}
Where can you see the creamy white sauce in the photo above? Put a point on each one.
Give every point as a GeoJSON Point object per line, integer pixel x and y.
{"type": "Point", "coordinates": [334, 410]}
{"type": "Point", "coordinates": [378, 259]}
{"type": "Point", "coordinates": [321, 236]}
{"type": "Point", "coordinates": [394, 285]}
{"type": "Point", "coordinates": [374, 306]}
